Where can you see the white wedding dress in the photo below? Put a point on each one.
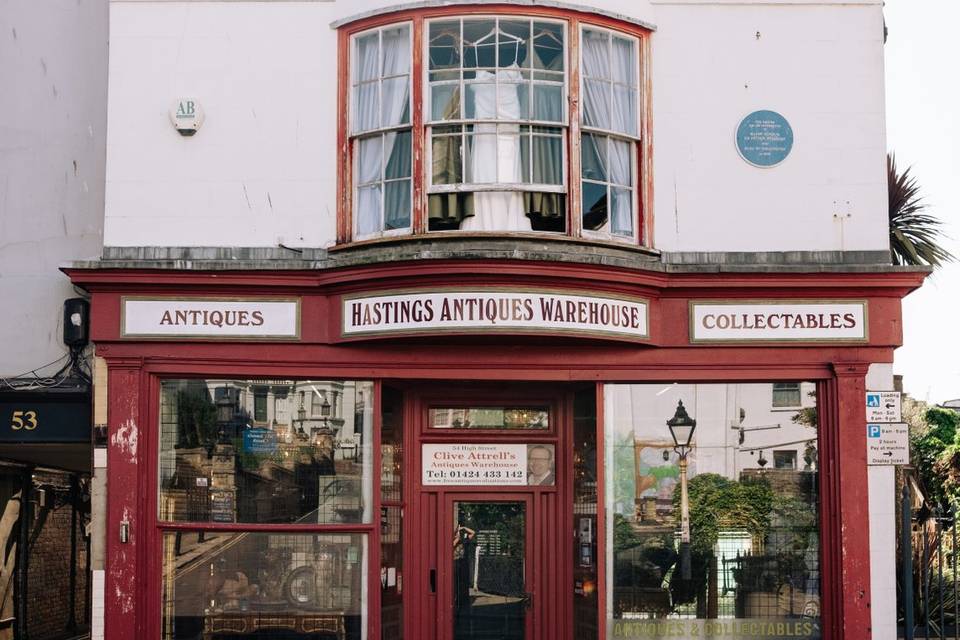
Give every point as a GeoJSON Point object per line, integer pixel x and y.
{"type": "Point", "coordinates": [495, 157]}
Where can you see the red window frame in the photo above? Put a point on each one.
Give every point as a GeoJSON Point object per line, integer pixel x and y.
{"type": "Point", "coordinates": [643, 207]}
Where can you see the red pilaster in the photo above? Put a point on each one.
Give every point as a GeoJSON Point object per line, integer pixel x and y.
{"type": "Point", "coordinates": [124, 450]}
{"type": "Point", "coordinates": [850, 470]}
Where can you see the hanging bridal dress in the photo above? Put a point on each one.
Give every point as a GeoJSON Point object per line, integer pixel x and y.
{"type": "Point", "coordinates": [495, 154]}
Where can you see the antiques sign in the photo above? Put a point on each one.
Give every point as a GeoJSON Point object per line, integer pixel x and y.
{"type": "Point", "coordinates": [495, 310]}
{"type": "Point", "coordinates": [488, 464]}
{"type": "Point", "coordinates": [770, 321]}
{"type": "Point", "coordinates": [764, 138]}
{"type": "Point", "coordinates": [210, 318]}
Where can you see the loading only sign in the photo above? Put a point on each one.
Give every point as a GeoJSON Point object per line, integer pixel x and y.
{"type": "Point", "coordinates": [883, 406]}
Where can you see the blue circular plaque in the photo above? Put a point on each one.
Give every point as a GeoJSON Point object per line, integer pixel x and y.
{"type": "Point", "coordinates": [764, 138]}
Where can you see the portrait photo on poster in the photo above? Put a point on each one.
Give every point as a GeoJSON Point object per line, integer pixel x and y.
{"type": "Point", "coordinates": [541, 465]}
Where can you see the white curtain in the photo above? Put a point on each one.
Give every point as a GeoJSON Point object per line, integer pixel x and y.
{"type": "Point", "coordinates": [396, 110]}
{"type": "Point", "coordinates": [383, 101]}
{"type": "Point", "coordinates": [621, 173]}
{"type": "Point", "coordinates": [596, 98]}
{"type": "Point", "coordinates": [369, 163]}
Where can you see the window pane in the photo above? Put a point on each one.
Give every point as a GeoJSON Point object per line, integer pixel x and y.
{"type": "Point", "coordinates": [547, 160]}
{"type": "Point", "coordinates": [624, 110]}
{"type": "Point", "coordinates": [508, 154]}
{"type": "Point", "coordinates": [397, 205]}
{"type": "Point", "coordinates": [753, 553]}
{"type": "Point", "coordinates": [398, 152]}
{"type": "Point", "coordinates": [396, 101]}
{"type": "Point", "coordinates": [621, 213]}
{"type": "Point", "coordinates": [216, 465]}
{"type": "Point", "coordinates": [548, 102]}
{"type": "Point", "coordinates": [369, 159]}
{"type": "Point", "coordinates": [596, 53]}
{"type": "Point", "coordinates": [585, 545]}
{"type": "Point", "coordinates": [500, 418]}
{"type": "Point", "coordinates": [367, 106]}
{"type": "Point", "coordinates": [481, 155]}
{"type": "Point", "coordinates": [621, 162]}
{"type": "Point", "coordinates": [593, 157]}
{"type": "Point", "coordinates": [596, 104]}
{"type": "Point", "coordinates": [514, 42]}
{"type": "Point", "coordinates": [396, 50]}
{"type": "Point", "coordinates": [288, 585]}
{"type": "Point", "coordinates": [623, 66]}
{"type": "Point", "coordinates": [548, 46]}
{"type": "Point", "coordinates": [447, 161]}
{"type": "Point", "coordinates": [786, 394]}
{"type": "Point", "coordinates": [368, 60]}
{"type": "Point", "coordinates": [594, 205]}
{"type": "Point", "coordinates": [444, 102]}
{"type": "Point", "coordinates": [479, 43]}
{"type": "Point", "coordinates": [481, 98]}
{"type": "Point", "coordinates": [445, 44]}
{"type": "Point", "coordinates": [367, 210]}
{"type": "Point", "coordinates": [513, 102]}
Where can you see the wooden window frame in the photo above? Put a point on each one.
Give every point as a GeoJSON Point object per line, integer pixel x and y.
{"type": "Point", "coordinates": [575, 20]}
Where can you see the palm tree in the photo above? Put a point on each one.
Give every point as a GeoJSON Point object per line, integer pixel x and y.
{"type": "Point", "coordinates": [914, 234]}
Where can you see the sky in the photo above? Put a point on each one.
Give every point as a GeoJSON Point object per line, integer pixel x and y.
{"type": "Point", "coordinates": [923, 129]}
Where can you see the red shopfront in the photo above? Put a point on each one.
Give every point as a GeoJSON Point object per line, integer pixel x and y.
{"type": "Point", "coordinates": [363, 452]}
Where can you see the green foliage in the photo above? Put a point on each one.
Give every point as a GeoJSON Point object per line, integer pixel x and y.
{"type": "Point", "coordinates": [915, 235]}
{"type": "Point", "coordinates": [935, 451]}
{"type": "Point", "coordinates": [718, 503]}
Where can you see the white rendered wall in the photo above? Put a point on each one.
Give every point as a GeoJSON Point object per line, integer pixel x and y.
{"type": "Point", "coordinates": [883, 529]}
{"type": "Point", "coordinates": [52, 137]}
{"type": "Point", "coordinates": [262, 170]}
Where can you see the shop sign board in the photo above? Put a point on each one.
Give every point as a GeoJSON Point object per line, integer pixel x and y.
{"type": "Point", "coordinates": [487, 464]}
{"type": "Point", "coordinates": [478, 311]}
{"type": "Point", "coordinates": [726, 629]}
{"type": "Point", "coordinates": [227, 318]}
{"type": "Point", "coordinates": [883, 406]}
{"type": "Point", "coordinates": [745, 321]}
{"type": "Point", "coordinates": [35, 419]}
{"type": "Point", "coordinates": [888, 444]}
{"type": "Point", "coordinates": [260, 441]}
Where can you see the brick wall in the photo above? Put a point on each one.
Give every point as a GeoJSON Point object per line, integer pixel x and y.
{"type": "Point", "coordinates": [48, 574]}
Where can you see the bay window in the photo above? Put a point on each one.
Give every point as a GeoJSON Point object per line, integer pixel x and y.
{"type": "Point", "coordinates": [505, 123]}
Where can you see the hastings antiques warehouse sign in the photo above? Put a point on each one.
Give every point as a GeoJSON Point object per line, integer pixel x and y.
{"type": "Point", "coordinates": [494, 310]}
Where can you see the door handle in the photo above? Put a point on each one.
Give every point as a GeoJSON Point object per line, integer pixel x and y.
{"type": "Point", "coordinates": [433, 580]}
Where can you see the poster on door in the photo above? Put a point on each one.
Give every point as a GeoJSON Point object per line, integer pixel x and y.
{"type": "Point", "coordinates": [488, 465]}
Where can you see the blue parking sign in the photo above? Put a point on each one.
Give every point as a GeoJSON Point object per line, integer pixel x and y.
{"type": "Point", "coordinates": [873, 431]}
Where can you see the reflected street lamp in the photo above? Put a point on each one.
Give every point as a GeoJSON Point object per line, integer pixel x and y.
{"type": "Point", "coordinates": [681, 427]}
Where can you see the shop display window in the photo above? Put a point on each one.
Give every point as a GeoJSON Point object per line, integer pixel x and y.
{"type": "Point", "coordinates": [276, 451]}
{"type": "Point", "coordinates": [739, 554]}
{"type": "Point", "coordinates": [254, 584]}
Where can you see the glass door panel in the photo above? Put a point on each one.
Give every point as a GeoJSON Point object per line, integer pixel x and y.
{"type": "Point", "coordinates": [490, 593]}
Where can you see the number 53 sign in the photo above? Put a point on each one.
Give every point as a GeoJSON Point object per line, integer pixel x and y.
{"type": "Point", "coordinates": [24, 420]}
{"type": "Point", "coordinates": [45, 420]}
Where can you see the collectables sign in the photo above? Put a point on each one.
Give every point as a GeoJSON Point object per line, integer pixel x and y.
{"type": "Point", "coordinates": [495, 310]}
{"type": "Point", "coordinates": [488, 464]}
{"type": "Point", "coordinates": [232, 318]}
{"type": "Point", "coordinates": [778, 321]}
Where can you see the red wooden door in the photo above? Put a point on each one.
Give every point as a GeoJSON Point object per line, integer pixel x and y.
{"type": "Point", "coordinates": [488, 561]}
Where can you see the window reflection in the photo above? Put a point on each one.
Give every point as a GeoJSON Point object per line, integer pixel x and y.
{"type": "Point", "coordinates": [275, 451]}
{"type": "Point", "coordinates": [219, 585]}
{"type": "Point", "coordinates": [489, 418]}
{"type": "Point", "coordinates": [754, 549]}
